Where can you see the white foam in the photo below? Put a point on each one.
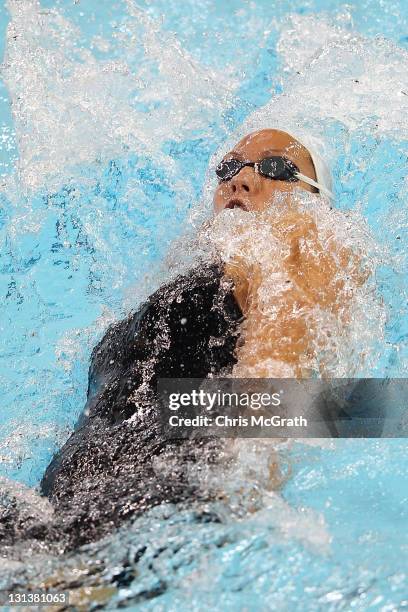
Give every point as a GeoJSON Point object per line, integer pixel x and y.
{"type": "Point", "coordinates": [248, 238]}
{"type": "Point", "coordinates": [349, 79]}
{"type": "Point", "coordinates": [71, 108]}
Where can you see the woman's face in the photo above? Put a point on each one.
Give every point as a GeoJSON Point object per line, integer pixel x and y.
{"type": "Point", "coordinates": [252, 191]}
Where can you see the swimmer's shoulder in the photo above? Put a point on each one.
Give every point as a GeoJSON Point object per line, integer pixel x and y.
{"type": "Point", "coordinates": [203, 277]}
{"type": "Point", "coordinates": [188, 307]}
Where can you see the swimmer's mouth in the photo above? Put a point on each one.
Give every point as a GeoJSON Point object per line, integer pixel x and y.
{"type": "Point", "coordinates": [236, 204]}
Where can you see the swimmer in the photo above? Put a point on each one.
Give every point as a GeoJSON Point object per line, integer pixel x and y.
{"type": "Point", "coordinates": [113, 465]}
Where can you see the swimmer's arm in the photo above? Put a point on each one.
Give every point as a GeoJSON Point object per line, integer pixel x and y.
{"type": "Point", "coordinates": [323, 275]}
{"type": "Point", "coordinates": [316, 277]}
{"type": "Point", "coordinates": [327, 274]}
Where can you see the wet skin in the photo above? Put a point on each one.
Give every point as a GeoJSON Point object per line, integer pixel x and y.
{"type": "Point", "coordinates": [252, 191]}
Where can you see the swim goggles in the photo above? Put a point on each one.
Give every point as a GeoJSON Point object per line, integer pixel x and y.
{"type": "Point", "coordinates": [276, 167]}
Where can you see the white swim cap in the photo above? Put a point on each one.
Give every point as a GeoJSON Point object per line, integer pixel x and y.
{"type": "Point", "coordinates": [323, 181]}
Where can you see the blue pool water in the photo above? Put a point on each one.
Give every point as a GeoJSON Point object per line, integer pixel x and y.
{"type": "Point", "coordinates": [103, 156]}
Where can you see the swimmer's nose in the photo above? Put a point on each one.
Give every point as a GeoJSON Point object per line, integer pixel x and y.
{"type": "Point", "coordinates": [245, 182]}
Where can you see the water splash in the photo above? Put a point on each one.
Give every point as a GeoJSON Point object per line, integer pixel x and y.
{"type": "Point", "coordinates": [247, 240]}
{"type": "Point", "coordinates": [72, 108]}
{"type": "Point", "coordinates": [80, 200]}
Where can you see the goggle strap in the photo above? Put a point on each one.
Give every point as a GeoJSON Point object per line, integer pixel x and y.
{"type": "Point", "coordinates": [313, 183]}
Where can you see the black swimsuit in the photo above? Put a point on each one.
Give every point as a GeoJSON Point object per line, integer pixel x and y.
{"type": "Point", "coordinates": [110, 468]}
{"type": "Point", "coordinates": [105, 471]}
